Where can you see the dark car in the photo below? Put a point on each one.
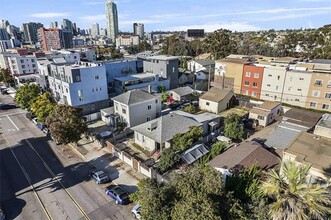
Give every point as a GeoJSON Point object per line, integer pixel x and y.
{"type": "Point", "coordinates": [7, 106]}
{"type": "Point", "coordinates": [99, 176]}
{"type": "Point", "coordinates": [118, 194]}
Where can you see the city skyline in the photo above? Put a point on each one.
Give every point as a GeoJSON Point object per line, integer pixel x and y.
{"type": "Point", "coordinates": [172, 15]}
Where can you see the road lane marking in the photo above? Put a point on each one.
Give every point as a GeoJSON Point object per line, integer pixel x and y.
{"type": "Point", "coordinates": [12, 122]}
{"type": "Point", "coordinates": [29, 180]}
{"type": "Point", "coordinates": [56, 178]}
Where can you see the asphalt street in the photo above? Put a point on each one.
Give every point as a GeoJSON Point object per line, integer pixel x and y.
{"type": "Point", "coordinates": [41, 180]}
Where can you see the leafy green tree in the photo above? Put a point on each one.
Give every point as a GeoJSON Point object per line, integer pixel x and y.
{"type": "Point", "coordinates": [26, 95]}
{"type": "Point", "coordinates": [143, 46]}
{"type": "Point", "coordinates": [191, 109]}
{"type": "Point", "coordinates": [42, 106]}
{"type": "Point", "coordinates": [164, 97]}
{"type": "Point", "coordinates": [216, 149]}
{"type": "Point", "coordinates": [233, 129]}
{"type": "Point", "coordinates": [168, 159]}
{"type": "Point", "coordinates": [219, 43]}
{"type": "Point", "coordinates": [161, 88]}
{"type": "Point", "coordinates": [292, 197]}
{"type": "Point", "coordinates": [66, 123]}
{"type": "Point", "coordinates": [6, 77]}
{"type": "Point", "coordinates": [181, 141]}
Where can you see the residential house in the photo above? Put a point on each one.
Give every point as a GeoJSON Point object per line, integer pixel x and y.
{"type": "Point", "coordinates": [228, 74]}
{"type": "Point", "coordinates": [201, 64]}
{"type": "Point", "coordinates": [216, 100]}
{"type": "Point", "coordinates": [165, 66]}
{"type": "Point", "coordinates": [265, 113]}
{"type": "Point", "coordinates": [252, 81]}
{"type": "Point", "coordinates": [146, 81]}
{"type": "Point", "coordinates": [244, 155]}
{"type": "Point", "coordinates": [294, 122]}
{"type": "Point", "coordinates": [137, 107]}
{"type": "Point", "coordinates": [185, 77]}
{"type": "Point", "coordinates": [309, 149]}
{"type": "Point", "coordinates": [323, 127]}
{"type": "Point", "coordinates": [182, 94]}
{"type": "Point", "coordinates": [160, 131]}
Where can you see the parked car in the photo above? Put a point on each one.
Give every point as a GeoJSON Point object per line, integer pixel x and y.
{"type": "Point", "coordinates": [99, 176]}
{"type": "Point", "coordinates": [118, 194]}
{"type": "Point", "coordinates": [136, 210]}
{"type": "Point", "coordinates": [4, 92]}
{"type": "Point", "coordinates": [4, 106]}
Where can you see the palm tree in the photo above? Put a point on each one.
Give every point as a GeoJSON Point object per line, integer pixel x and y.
{"type": "Point", "coordinates": [292, 198]}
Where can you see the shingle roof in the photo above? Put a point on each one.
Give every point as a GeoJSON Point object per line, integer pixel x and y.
{"type": "Point", "coordinates": [215, 94]}
{"type": "Point", "coordinates": [171, 124]}
{"type": "Point", "coordinates": [182, 91]}
{"type": "Point", "coordinates": [269, 105]}
{"type": "Point", "coordinates": [133, 96]}
{"type": "Point", "coordinates": [202, 117]}
{"type": "Point", "coordinates": [302, 117]}
{"type": "Point", "coordinates": [246, 154]}
{"type": "Point", "coordinates": [194, 153]}
{"type": "Point", "coordinates": [283, 136]}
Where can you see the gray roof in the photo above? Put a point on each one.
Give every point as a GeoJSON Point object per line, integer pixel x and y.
{"type": "Point", "coordinates": [133, 96]}
{"type": "Point", "coordinates": [206, 116]}
{"type": "Point", "coordinates": [163, 57]}
{"type": "Point", "coordinates": [283, 136]}
{"type": "Point", "coordinates": [171, 124]}
{"type": "Point", "coordinates": [108, 111]}
{"type": "Point", "coordinates": [216, 95]}
{"type": "Point", "coordinates": [205, 62]}
{"type": "Point", "coordinates": [183, 91]}
{"type": "Point", "coordinates": [302, 117]}
{"type": "Point", "coordinates": [194, 153]}
{"type": "Point", "coordinates": [322, 61]}
{"type": "Point", "coordinates": [245, 154]}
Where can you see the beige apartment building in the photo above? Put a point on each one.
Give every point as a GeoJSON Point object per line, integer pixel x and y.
{"type": "Point", "coordinates": [228, 73]}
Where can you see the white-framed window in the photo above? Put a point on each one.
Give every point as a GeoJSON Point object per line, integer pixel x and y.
{"type": "Point", "coordinates": [299, 89]}
{"type": "Point", "coordinates": [148, 118]}
{"type": "Point", "coordinates": [207, 103]}
{"type": "Point", "coordinates": [268, 85]}
{"type": "Point", "coordinates": [96, 77]}
{"type": "Point", "coordinates": [245, 92]}
{"type": "Point", "coordinates": [297, 100]}
{"type": "Point", "coordinates": [313, 104]}
{"type": "Point", "coordinates": [260, 117]}
{"type": "Point", "coordinates": [278, 77]}
{"type": "Point", "coordinates": [156, 101]}
{"type": "Point", "coordinates": [256, 75]}
{"type": "Point", "coordinates": [77, 78]}
{"type": "Point", "coordinates": [301, 78]}
{"type": "Point", "coordinates": [123, 111]}
{"type": "Point", "coordinates": [327, 95]}
{"type": "Point", "coordinates": [248, 74]}
{"type": "Point", "coordinates": [267, 94]}
{"type": "Point", "coordinates": [277, 87]}
{"type": "Point", "coordinates": [149, 107]}
{"type": "Point", "coordinates": [255, 84]}
{"type": "Point", "coordinates": [269, 74]}
{"type": "Point", "coordinates": [325, 106]}
{"type": "Point", "coordinates": [318, 82]}
{"type": "Point", "coordinates": [254, 94]}
{"type": "Point", "coordinates": [316, 93]}
{"type": "Point", "coordinates": [246, 83]}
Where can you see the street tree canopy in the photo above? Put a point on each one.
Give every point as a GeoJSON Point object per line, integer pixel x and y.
{"type": "Point", "coordinates": [26, 95]}
{"type": "Point", "coordinates": [42, 106]}
{"type": "Point", "coordinates": [233, 129]}
{"type": "Point", "coordinates": [6, 77]}
{"type": "Point", "coordinates": [66, 123]}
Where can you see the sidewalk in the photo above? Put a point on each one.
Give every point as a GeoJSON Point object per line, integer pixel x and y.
{"type": "Point", "coordinates": [102, 158]}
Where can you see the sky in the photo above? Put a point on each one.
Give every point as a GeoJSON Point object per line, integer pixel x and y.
{"type": "Point", "coordinates": [175, 15]}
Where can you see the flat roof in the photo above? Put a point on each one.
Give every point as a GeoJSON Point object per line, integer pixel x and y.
{"type": "Point", "coordinates": [162, 57]}
{"type": "Point", "coordinates": [135, 76]}
{"type": "Point", "coordinates": [311, 149]}
{"type": "Point", "coordinates": [302, 117]}
{"type": "Point", "coordinates": [325, 121]}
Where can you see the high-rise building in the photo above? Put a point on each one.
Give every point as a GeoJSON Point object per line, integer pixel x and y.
{"type": "Point", "coordinates": [31, 32]}
{"type": "Point", "coordinates": [3, 34]}
{"type": "Point", "coordinates": [54, 38]}
{"type": "Point", "coordinates": [4, 23]}
{"type": "Point", "coordinates": [95, 31]}
{"type": "Point", "coordinates": [138, 29]}
{"type": "Point", "coordinates": [103, 32]}
{"type": "Point", "coordinates": [112, 20]}
{"type": "Point", "coordinates": [54, 24]}
{"type": "Point", "coordinates": [67, 25]}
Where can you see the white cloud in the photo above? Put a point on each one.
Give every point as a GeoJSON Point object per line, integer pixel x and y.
{"type": "Point", "coordinates": [168, 15]}
{"type": "Point", "coordinates": [94, 18]}
{"type": "Point", "coordinates": [210, 27]}
{"type": "Point", "coordinates": [144, 21]}
{"type": "Point", "coordinates": [49, 15]}
{"type": "Point", "coordinates": [292, 16]}
{"type": "Point", "coordinates": [93, 3]}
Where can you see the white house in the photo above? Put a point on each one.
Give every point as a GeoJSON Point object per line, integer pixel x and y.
{"type": "Point", "coordinates": [136, 107]}
{"type": "Point", "coordinates": [216, 100]}
{"type": "Point", "coordinates": [20, 65]}
{"type": "Point", "coordinates": [266, 112]}
{"type": "Point", "coordinates": [196, 65]}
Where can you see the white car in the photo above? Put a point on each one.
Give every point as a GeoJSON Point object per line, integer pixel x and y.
{"type": "Point", "coordinates": [136, 210]}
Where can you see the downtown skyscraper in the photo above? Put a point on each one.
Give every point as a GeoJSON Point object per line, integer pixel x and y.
{"type": "Point", "coordinates": [112, 20]}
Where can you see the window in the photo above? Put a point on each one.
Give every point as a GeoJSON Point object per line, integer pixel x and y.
{"type": "Point", "coordinates": [246, 83]}
{"type": "Point", "coordinates": [316, 93]}
{"type": "Point", "coordinates": [313, 104]}
{"type": "Point", "coordinates": [318, 82]}
{"type": "Point", "coordinates": [116, 107]}
{"type": "Point", "coordinates": [301, 78]}
{"type": "Point", "coordinates": [266, 94]}
{"type": "Point", "coordinates": [296, 100]}
{"type": "Point", "coordinates": [269, 75]}
{"type": "Point", "coordinates": [100, 88]}
{"type": "Point", "coordinates": [254, 94]}
{"type": "Point", "coordinates": [156, 101]}
{"type": "Point", "coordinates": [123, 111]}
{"type": "Point", "coordinates": [248, 74]}
{"type": "Point", "coordinates": [207, 103]}
{"type": "Point", "coordinates": [256, 75]}
{"type": "Point", "coordinates": [245, 92]}
{"type": "Point", "coordinates": [23, 66]}
{"type": "Point", "coordinates": [260, 117]}
{"type": "Point", "coordinates": [276, 87]}
{"type": "Point", "coordinates": [96, 89]}
{"type": "Point", "coordinates": [299, 89]}
{"type": "Point", "coordinates": [148, 118]}
{"type": "Point", "coordinates": [268, 85]}
{"type": "Point", "coordinates": [328, 95]}
{"type": "Point", "coordinates": [255, 84]}
{"type": "Point", "coordinates": [22, 61]}
{"type": "Point", "coordinates": [97, 77]}
{"type": "Point", "coordinates": [325, 107]}
{"type": "Point", "coordinates": [92, 107]}
{"type": "Point", "coordinates": [77, 78]}
{"type": "Point", "coordinates": [149, 107]}
{"type": "Point", "coordinates": [92, 90]}
{"type": "Point", "coordinates": [278, 77]}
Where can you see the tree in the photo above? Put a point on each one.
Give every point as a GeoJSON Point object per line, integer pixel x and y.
{"type": "Point", "coordinates": [219, 43]}
{"type": "Point", "coordinates": [66, 123]}
{"type": "Point", "coordinates": [233, 129]}
{"type": "Point", "coordinates": [143, 46]}
{"type": "Point", "coordinates": [181, 141]}
{"type": "Point", "coordinates": [292, 197]}
{"type": "Point", "coordinates": [42, 106]}
{"type": "Point", "coordinates": [6, 77]}
{"type": "Point", "coordinates": [216, 149]}
{"type": "Point", "coordinates": [26, 95]}
{"type": "Point", "coordinates": [191, 109]}
{"type": "Point", "coordinates": [168, 159]}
